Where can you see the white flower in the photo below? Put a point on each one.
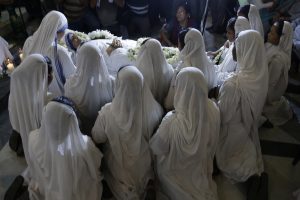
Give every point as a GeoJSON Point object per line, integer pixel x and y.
{"type": "Point", "coordinates": [100, 34]}
{"type": "Point", "coordinates": [171, 54]}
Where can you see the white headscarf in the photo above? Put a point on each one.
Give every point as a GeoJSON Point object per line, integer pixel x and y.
{"type": "Point", "coordinates": [44, 41]}
{"type": "Point", "coordinates": [155, 69]}
{"type": "Point", "coordinates": [255, 20]}
{"type": "Point", "coordinates": [190, 134]}
{"type": "Point", "coordinates": [241, 24]}
{"type": "Point", "coordinates": [133, 106]}
{"type": "Point", "coordinates": [91, 86]}
{"type": "Point", "coordinates": [252, 77]}
{"type": "Point", "coordinates": [193, 54]}
{"type": "Point", "coordinates": [66, 163]}
{"type": "Point", "coordinates": [28, 90]}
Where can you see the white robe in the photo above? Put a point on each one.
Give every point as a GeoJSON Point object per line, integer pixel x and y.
{"type": "Point", "coordinates": [4, 51]}
{"type": "Point", "coordinates": [186, 141]}
{"type": "Point", "coordinates": [125, 126]}
{"type": "Point", "coordinates": [44, 41]}
{"type": "Point", "coordinates": [227, 68]}
{"type": "Point", "coordinates": [193, 55]}
{"type": "Point", "coordinates": [241, 101]}
{"type": "Point", "coordinates": [277, 108]}
{"type": "Point", "coordinates": [156, 71]}
{"type": "Point", "coordinates": [91, 87]}
{"type": "Point", "coordinates": [28, 91]}
{"type": "Point", "coordinates": [65, 164]}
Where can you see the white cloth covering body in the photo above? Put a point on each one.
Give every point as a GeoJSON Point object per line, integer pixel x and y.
{"type": "Point", "coordinates": [4, 51]}
{"type": "Point", "coordinates": [241, 101]}
{"type": "Point", "coordinates": [117, 59]}
{"type": "Point", "coordinates": [91, 87]}
{"type": "Point", "coordinates": [255, 20]}
{"type": "Point", "coordinates": [156, 71]}
{"type": "Point", "coordinates": [65, 163]}
{"type": "Point", "coordinates": [277, 108]}
{"type": "Point", "coordinates": [228, 67]}
{"type": "Point", "coordinates": [125, 126]}
{"type": "Point", "coordinates": [44, 41]}
{"type": "Point", "coordinates": [186, 141]}
{"type": "Point", "coordinates": [28, 91]}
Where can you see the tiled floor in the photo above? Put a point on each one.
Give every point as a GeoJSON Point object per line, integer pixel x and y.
{"type": "Point", "coordinates": [279, 145]}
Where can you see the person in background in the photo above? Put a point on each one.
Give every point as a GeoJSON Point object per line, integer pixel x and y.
{"type": "Point", "coordinates": [279, 51]}
{"type": "Point", "coordinates": [107, 13]}
{"type": "Point", "coordinates": [80, 14]}
{"type": "Point", "coordinates": [169, 32]}
{"type": "Point", "coordinates": [134, 17]}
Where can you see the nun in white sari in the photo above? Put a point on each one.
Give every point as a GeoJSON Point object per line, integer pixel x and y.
{"type": "Point", "coordinates": [228, 67]}
{"type": "Point", "coordinates": [66, 164]}
{"type": "Point", "coordinates": [44, 41]}
{"type": "Point", "coordinates": [91, 87]}
{"type": "Point", "coordinates": [279, 49]}
{"type": "Point", "coordinates": [186, 141]}
{"type": "Point", "coordinates": [156, 71]}
{"type": "Point", "coordinates": [252, 14]}
{"type": "Point", "coordinates": [125, 126]}
{"type": "Point", "coordinates": [193, 54]}
{"type": "Point", "coordinates": [241, 101]}
{"type": "Point", "coordinates": [28, 92]}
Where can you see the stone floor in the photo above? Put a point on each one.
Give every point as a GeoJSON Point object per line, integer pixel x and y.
{"type": "Point", "coordinates": [279, 146]}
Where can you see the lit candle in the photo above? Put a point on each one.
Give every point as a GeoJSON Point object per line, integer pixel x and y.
{"type": "Point", "coordinates": [10, 67]}
{"type": "Point", "coordinates": [21, 56]}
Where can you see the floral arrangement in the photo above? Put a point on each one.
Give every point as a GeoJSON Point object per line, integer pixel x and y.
{"type": "Point", "coordinates": [132, 52]}
{"type": "Point", "coordinates": [82, 36]}
{"type": "Point", "coordinates": [171, 54]}
{"type": "Point", "coordinates": [100, 34]}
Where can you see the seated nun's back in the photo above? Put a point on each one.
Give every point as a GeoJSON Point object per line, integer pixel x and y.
{"type": "Point", "coordinates": [65, 163]}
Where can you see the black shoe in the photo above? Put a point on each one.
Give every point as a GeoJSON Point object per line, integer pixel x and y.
{"type": "Point", "coordinates": [268, 124]}
{"type": "Point", "coordinates": [13, 192]}
{"type": "Point", "coordinates": [14, 140]}
{"type": "Point", "coordinates": [258, 187]}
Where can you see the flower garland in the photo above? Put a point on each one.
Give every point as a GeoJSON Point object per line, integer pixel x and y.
{"type": "Point", "coordinates": [100, 34]}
